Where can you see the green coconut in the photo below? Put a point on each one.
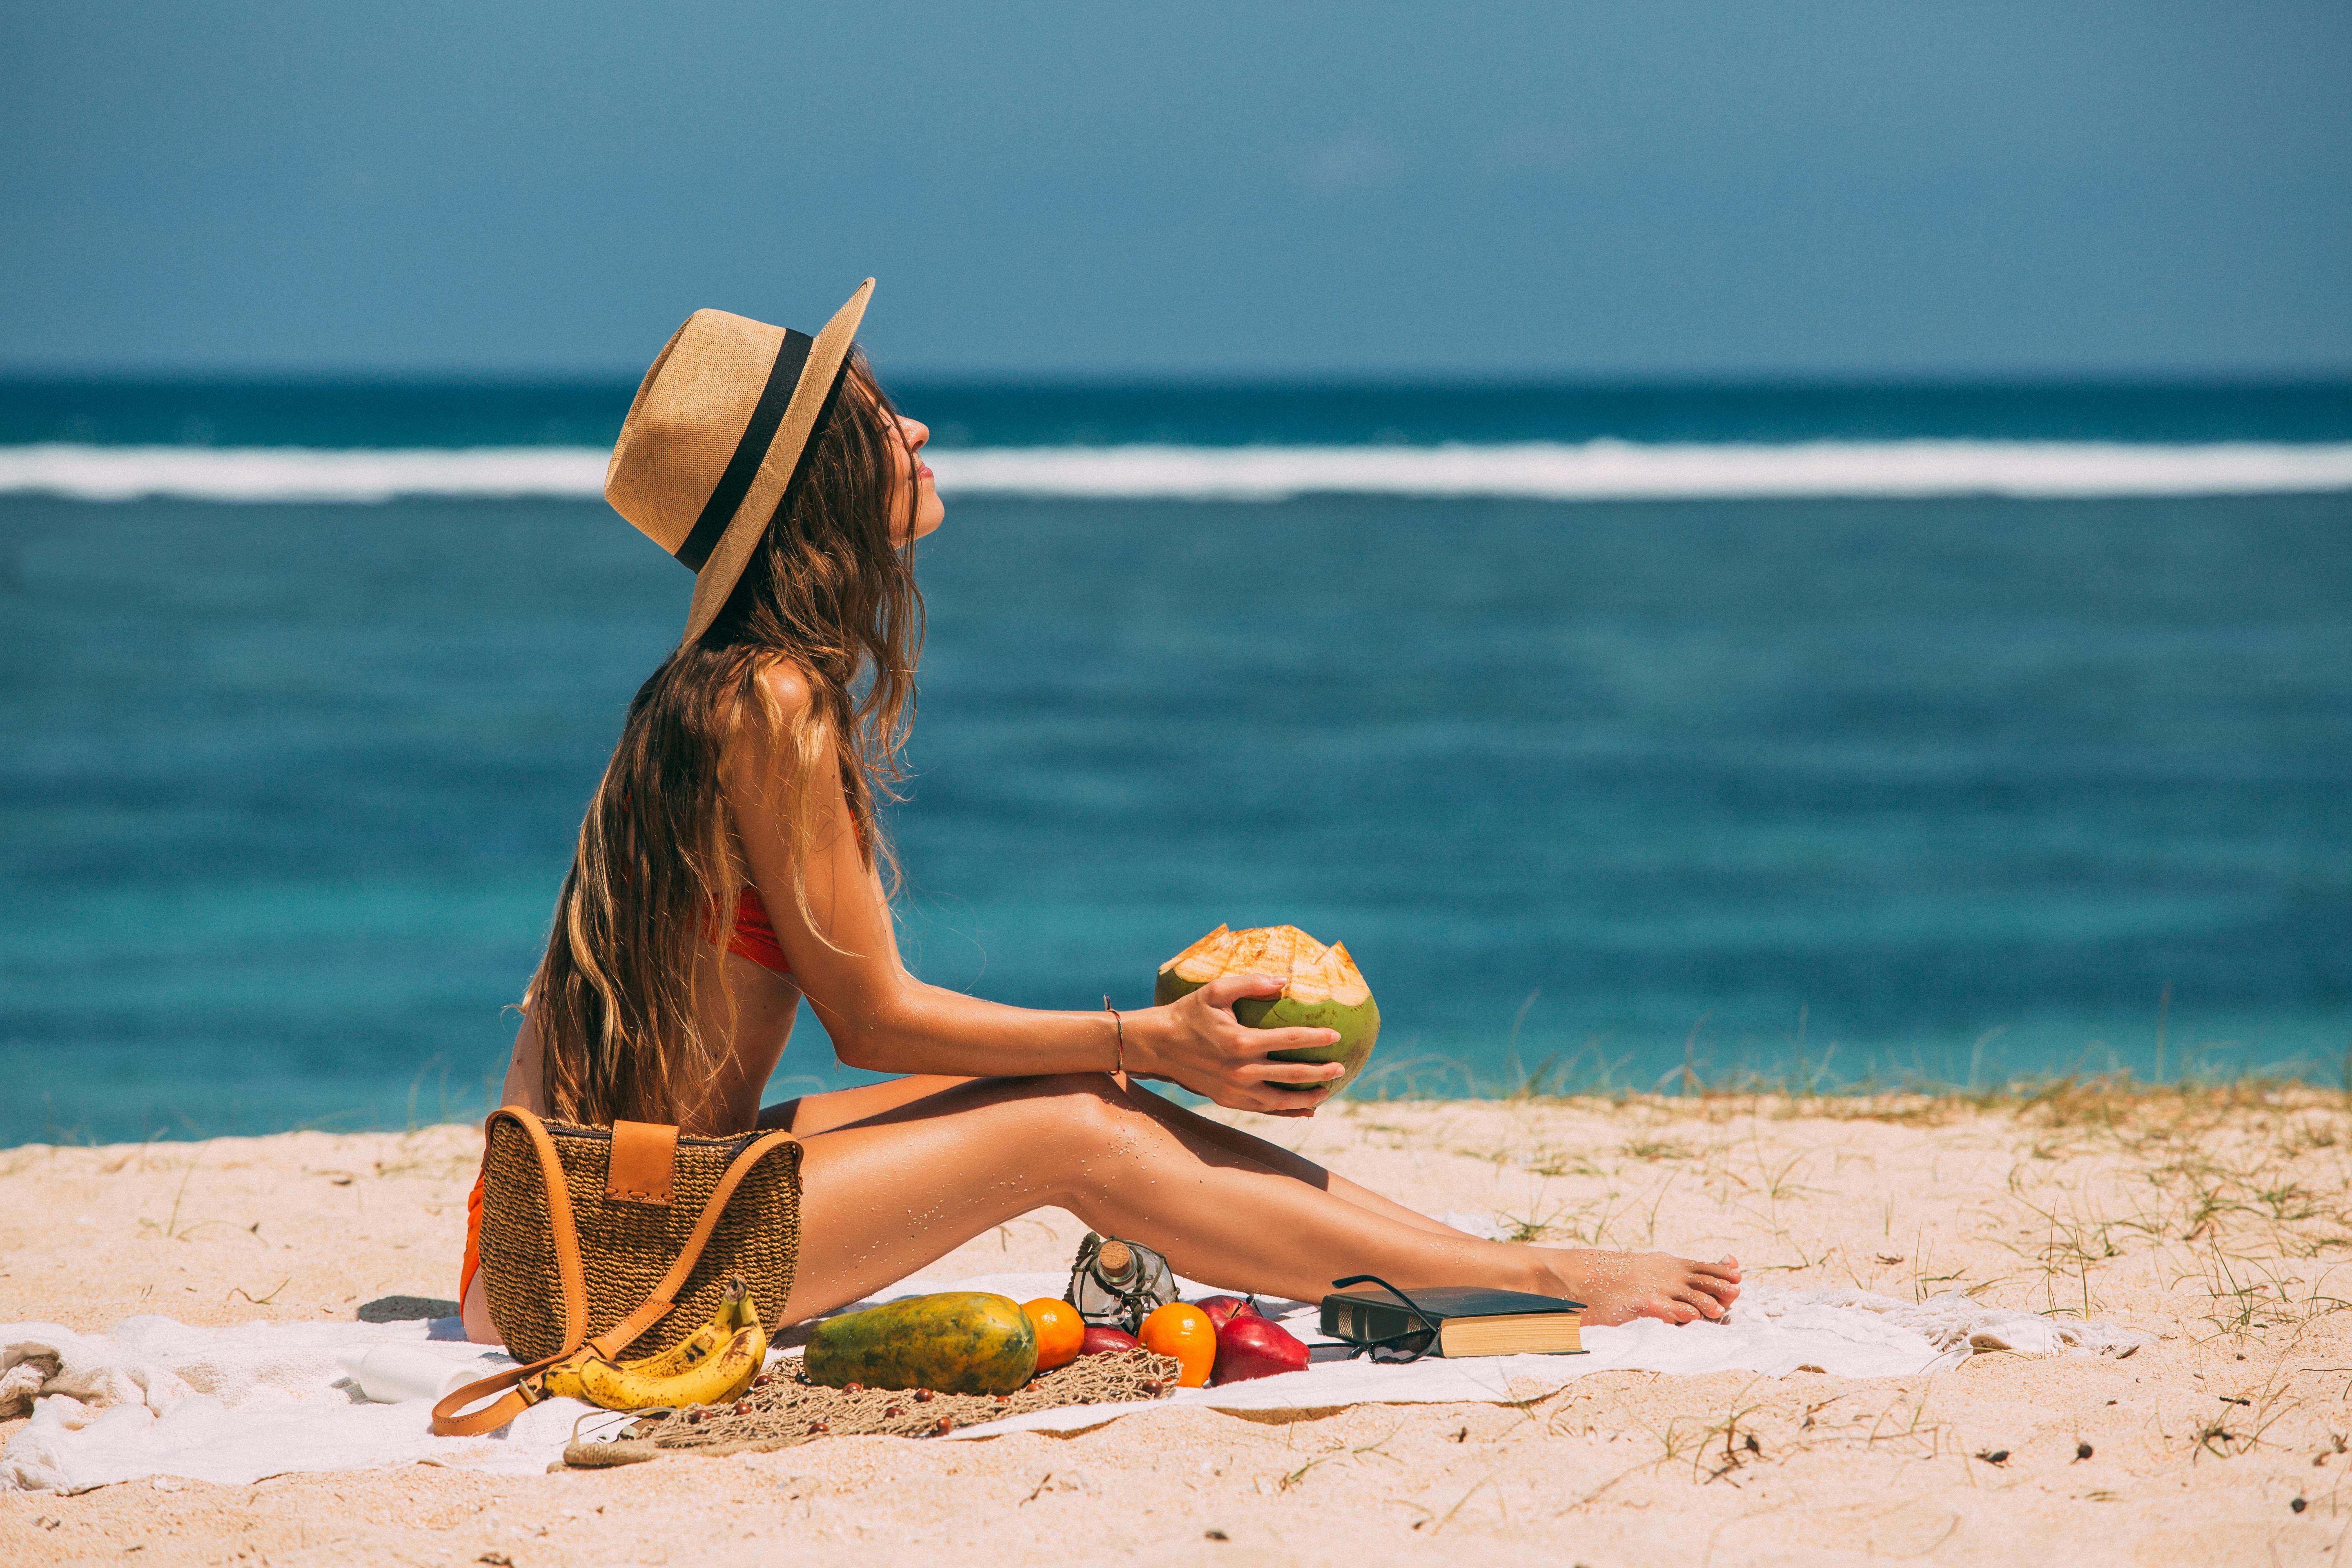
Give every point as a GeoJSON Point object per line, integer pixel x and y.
{"type": "Point", "coordinates": [1323, 990]}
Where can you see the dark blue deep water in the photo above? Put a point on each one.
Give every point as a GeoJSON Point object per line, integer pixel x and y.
{"type": "Point", "coordinates": [1957, 788]}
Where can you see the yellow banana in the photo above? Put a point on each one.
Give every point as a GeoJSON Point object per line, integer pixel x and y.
{"type": "Point", "coordinates": [736, 1311]}
{"type": "Point", "coordinates": [718, 1380]}
{"type": "Point", "coordinates": [559, 1382]}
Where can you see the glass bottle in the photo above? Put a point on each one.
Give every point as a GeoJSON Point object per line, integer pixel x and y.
{"type": "Point", "coordinates": [1120, 1283]}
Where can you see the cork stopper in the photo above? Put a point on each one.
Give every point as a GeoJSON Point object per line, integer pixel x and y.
{"type": "Point", "coordinates": [1115, 1257]}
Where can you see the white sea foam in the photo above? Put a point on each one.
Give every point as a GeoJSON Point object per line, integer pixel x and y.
{"type": "Point", "coordinates": [1595, 471]}
{"type": "Point", "coordinates": [1609, 470]}
{"type": "Point", "coordinates": [299, 473]}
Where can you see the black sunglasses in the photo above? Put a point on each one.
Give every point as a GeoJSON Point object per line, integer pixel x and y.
{"type": "Point", "coordinates": [1411, 1345]}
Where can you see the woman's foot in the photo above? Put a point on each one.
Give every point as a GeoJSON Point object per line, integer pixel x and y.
{"type": "Point", "coordinates": [1618, 1286]}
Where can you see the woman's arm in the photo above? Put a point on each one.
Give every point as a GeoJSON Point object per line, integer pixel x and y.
{"type": "Point", "coordinates": [526, 1085]}
{"type": "Point", "coordinates": [844, 955]}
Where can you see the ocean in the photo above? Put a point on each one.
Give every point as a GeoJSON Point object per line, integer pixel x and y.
{"type": "Point", "coordinates": [1628, 735]}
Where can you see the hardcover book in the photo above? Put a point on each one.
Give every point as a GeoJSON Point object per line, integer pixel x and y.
{"type": "Point", "coordinates": [1470, 1321]}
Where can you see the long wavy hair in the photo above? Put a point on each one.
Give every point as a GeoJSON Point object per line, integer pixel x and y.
{"type": "Point", "coordinates": [657, 870]}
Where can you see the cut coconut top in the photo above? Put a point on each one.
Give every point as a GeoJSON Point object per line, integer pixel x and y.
{"type": "Point", "coordinates": [1332, 977]}
{"type": "Point", "coordinates": [1314, 972]}
{"type": "Point", "coordinates": [1196, 951]}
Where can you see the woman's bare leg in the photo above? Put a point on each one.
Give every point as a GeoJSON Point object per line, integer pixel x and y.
{"type": "Point", "coordinates": [815, 1114]}
{"type": "Point", "coordinates": [1275, 1157]}
{"type": "Point", "coordinates": [883, 1197]}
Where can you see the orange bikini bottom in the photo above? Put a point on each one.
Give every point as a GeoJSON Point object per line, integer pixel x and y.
{"type": "Point", "coordinates": [753, 938]}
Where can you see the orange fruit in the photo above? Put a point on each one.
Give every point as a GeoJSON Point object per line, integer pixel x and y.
{"type": "Point", "coordinates": [1185, 1332]}
{"type": "Point", "coordinates": [1060, 1331]}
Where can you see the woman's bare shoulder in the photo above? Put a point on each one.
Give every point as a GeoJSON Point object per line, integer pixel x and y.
{"type": "Point", "coordinates": [785, 684]}
{"type": "Point", "coordinates": [783, 695]}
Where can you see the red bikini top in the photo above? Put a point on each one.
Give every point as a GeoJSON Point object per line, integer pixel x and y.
{"type": "Point", "coordinates": [754, 938]}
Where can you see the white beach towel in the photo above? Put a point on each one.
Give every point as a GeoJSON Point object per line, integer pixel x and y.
{"type": "Point", "coordinates": [235, 1404]}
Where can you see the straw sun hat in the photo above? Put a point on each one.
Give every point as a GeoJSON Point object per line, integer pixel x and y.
{"type": "Point", "coordinates": [719, 432]}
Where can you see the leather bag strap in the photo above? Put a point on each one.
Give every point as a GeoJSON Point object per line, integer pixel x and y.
{"type": "Point", "coordinates": [565, 1236]}
{"type": "Point", "coordinates": [507, 1381]}
{"type": "Point", "coordinates": [561, 1230]}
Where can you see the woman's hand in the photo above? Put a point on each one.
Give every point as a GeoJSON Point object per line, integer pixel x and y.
{"type": "Point", "coordinates": [1197, 1042]}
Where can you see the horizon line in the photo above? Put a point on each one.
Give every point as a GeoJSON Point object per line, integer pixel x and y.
{"type": "Point", "coordinates": [1955, 380]}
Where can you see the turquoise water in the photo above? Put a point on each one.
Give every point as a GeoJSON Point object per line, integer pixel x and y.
{"type": "Point", "coordinates": [1960, 786]}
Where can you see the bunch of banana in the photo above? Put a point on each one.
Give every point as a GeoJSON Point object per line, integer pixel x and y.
{"type": "Point", "coordinates": [720, 1379]}
{"type": "Point", "coordinates": [713, 1364]}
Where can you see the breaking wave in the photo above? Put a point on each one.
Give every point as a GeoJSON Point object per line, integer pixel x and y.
{"type": "Point", "coordinates": [1596, 470]}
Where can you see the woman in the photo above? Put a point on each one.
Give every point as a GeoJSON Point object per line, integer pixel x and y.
{"type": "Point", "coordinates": [740, 802]}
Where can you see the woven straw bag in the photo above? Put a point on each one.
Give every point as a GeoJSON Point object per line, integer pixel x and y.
{"type": "Point", "coordinates": [614, 1241]}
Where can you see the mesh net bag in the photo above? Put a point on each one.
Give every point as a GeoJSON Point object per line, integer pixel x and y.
{"type": "Point", "coordinates": [783, 1410]}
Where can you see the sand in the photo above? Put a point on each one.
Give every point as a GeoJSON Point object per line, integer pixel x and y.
{"type": "Point", "coordinates": [2219, 1221]}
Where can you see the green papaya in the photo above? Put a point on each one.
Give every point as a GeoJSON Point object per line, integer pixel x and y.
{"type": "Point", "coordinates": [957, 1341]}
{"type": "Point", "coordinates": [1325, 991]}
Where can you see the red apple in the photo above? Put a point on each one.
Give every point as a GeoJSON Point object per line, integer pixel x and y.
{"type": "Point", "coordinates": [1254, 1346]}
{"type": "Point", "coordinates": [1102, 1339]}
{"type": "Point", "coordinates": [1221, 1309]}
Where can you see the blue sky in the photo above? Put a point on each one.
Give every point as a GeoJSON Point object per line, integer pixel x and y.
{"type": "Point", "coordinates": [1227, 189]}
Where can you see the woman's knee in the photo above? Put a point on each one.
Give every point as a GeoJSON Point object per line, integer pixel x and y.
{"type": "Point", "coordinates": [1089, 1109]}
